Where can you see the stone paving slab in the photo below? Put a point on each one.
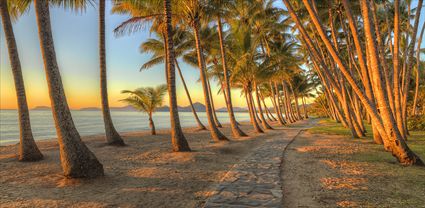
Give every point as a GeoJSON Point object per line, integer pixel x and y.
{"type": "Point", "coordinates": [255, 181]}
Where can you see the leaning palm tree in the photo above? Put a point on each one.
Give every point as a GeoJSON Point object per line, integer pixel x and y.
{"type": "Point", "coordinates": [191, 10]}
{"type": "Point", "coordinates": [157, 12]}
{"type": "Point", "coordinates": [28, 150]}
{"type": "Point", "coordinates": [76, 159]}
{"type": "Point", "coordinates": [156, 47]}
{"type": "Point", "coordinates": [146, 99]}
{"type": "Point", "coordinates": [112, 136]}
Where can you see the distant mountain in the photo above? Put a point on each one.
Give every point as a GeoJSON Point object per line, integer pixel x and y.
{"type": "Point", "coordinates": [90, 109]}
{"type": "Point", "coordinates": [41, 108]}
{"type": "Point", "coordinates": [163, 109]}
{"type": "Point", "coordinates": [199, 107]}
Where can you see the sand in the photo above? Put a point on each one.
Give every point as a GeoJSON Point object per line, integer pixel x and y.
{"type": "Point", "coordinates": [143, 174]}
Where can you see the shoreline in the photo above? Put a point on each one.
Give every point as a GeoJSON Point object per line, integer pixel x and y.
{"type": "Point", "coordinates": [126, 133]}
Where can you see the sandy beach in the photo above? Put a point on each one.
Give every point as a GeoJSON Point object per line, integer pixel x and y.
{"type": "Point", "coordinates": [143, 174]}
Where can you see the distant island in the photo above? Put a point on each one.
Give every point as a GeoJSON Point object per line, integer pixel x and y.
{"type": "Point", "coordinates": [42, 108]}
{"type": "Point", "coordinates": [199, 107]}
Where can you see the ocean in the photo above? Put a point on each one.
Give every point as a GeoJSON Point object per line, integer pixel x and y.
{"type": "Point", "coordinates": [91, 122]}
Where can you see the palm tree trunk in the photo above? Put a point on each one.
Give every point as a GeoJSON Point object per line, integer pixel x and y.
{"type": "Point", "coordinates": [178, 139]}
{"type": "Point", "coordinates": [264, 122]}
{"type": "Point", "coordinates": [418, 62]}
{"type": "Point", "coordinates": [297, 107]}
{"type": "Point", "coordinates": [268, 113]}
{"type": "Point", "coordinates": [396, 75]}
{"type": "Point", "coordinates": [28, 150]}
{"type": "Point", "coordinates": [407, 77]}
{"type": "Point", "coordinates": [236, 131]}
{"type": "Point", "coordinates": [217, 122]}
{"type": "Point", "coordinates": [252, 112]}
{"type": "Point", "coordinates": [215, 133]}
{"type": "Point", "coordinates": [399, 147]}
{"type": "Point", "coordinates": [76, 159]}
{"type": "Point", "coordinates": [276, 105]}
{"type": "Point", "coordinates": [151, 124]}
{"type": "Point", "coordinates": [304, 108]}
{"type": "Point", "coordinates": [112, 136]}
{"type": "Point", "coordinates": [195, 114]}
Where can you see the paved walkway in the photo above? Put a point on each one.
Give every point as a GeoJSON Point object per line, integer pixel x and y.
{"type": "Point", "coordinates": [255, 181]}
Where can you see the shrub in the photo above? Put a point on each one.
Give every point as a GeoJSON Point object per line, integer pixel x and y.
{"type": "Point", "coordinates": [416, 123]}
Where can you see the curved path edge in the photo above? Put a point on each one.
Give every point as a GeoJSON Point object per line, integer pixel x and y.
{"type": "Point", "coordinates": [255, 181]}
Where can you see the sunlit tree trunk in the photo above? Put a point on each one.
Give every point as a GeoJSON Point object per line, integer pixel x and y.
{"type": "Point", "coordinates": [217, 122]}
{"type": "Point", "coordinates": [408, 73]}
{"type": "Point", "coordinates": [304, 108]}
{"type": "Point", "coordinates": [195, 114]}
{"type": "Point", "coordinates": [178, 139]}
{"type": "Point", "coordinates": [251, 108]}
{"type": "Point", "coordinates": [260, 110]}
{"type": "Point", "coordinates": [399, 147]}
{"type": "Point", "coordinates": [236, 131]}
{"type": "Point", "coordinates": [76, 159]}
{"type": "Point", "coordinates": [215, 133]}
{"type": "Point", "coordinates": [28, 150]}
{"type": "Point", "coordinates": [112, 136]}
{"type": "Point", "coordinates": [276, 106]}
{"type": "Point", "coordinates": [418, 62]}
{"type": "Point", "coordinates": [396, 64]}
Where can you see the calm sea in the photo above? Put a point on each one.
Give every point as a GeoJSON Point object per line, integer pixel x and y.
{"type": "Point", "coordinates": [91, 122]}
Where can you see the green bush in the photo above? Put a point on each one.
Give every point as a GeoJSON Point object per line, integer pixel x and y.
{"type": "Point", "coordinates": [416, 123]}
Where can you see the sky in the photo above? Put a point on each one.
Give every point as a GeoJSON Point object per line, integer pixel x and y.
{"type": "Point", "coordinates": [76, 43]}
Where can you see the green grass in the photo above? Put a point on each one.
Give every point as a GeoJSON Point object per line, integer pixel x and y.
{"type": "Point", "coordinates": [416, 140]}
{"type": "Point", "coordinates": [389, 183]}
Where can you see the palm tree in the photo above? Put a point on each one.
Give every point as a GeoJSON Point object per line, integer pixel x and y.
{"type": "Point", "coordinates": [156, 47]}
{"type": "Point", "coordinates": [192, 9]}
{"type": "Point", "coordinates": [178, 139]}
{"type": "Point", "coordinates": [159, 14]}
{"type": "Point", "coordinates": [112, 136]}
{"type": "Point", "coordinates": [77, 160]}
{"type": "Point", "coordinates": [385, 122]}
{"type": "Point", "coordinates": [146, 99]}
{"type": "Point", "coordinates": [28, 150]}
{"type": "Point", "coordinates": [218, 8]}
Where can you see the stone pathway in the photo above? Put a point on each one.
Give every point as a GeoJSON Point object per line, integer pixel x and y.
{"type": "Point", "coordinates": [255, 181]}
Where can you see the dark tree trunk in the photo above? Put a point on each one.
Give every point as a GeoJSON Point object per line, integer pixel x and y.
{"type": "Point", "coordinates": [76, 159]}
{"type": "Point", "coordinates": [112, 136]}
{"type": "Point", "coordinates": [151, 124]}
{"type": "Point", "coordinates": [178, 139]}
{"type": "Point", "coordinates": [28, 150]}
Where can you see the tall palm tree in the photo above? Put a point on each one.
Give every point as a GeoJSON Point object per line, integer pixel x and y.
{"type": "Point", "coordinates": [28, 150]}
{"type": "Point", "coordinates": [385, 122]}
{"type": "Point", "coordinates": [112, 136]}
{"type": "Point", "coordinates": [218, 7]}
{"type": "Point", "coordinates": [192, 10]}
{"type": "Point", "coordinates": [178, 139]}
{"type": "Point", "coordinates": [148, 100]}
{"type": "Point", "coordinates": [76, 159]}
